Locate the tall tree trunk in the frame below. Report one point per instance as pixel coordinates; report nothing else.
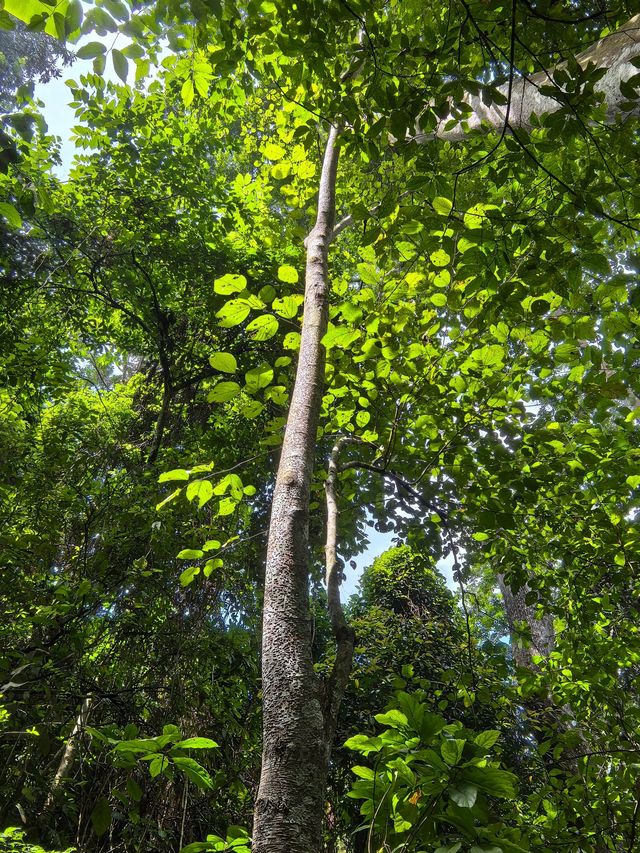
(68, 756)
(290, 804)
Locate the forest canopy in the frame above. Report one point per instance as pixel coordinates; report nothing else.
(319, 269)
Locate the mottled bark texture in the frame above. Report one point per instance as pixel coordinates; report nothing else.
(290, 804)
(615, 52)
(518, 611)
(542, 710)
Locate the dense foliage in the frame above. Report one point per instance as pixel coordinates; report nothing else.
(480, 402)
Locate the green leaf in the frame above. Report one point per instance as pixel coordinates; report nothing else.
(137, 745)
(394, 718)
(492, 780)
(175, 474)
(190, 554)
(187, 92)
(10, 214)
(230, 283)
(364, 744)
(134, 790)
(451, 750)
(158, 764)
(101, 816)
(287, 306)
(258, 377)
(227, 506)
(273, 151)
(288, 274)
(340, 336)
(223, 392)
(117, 8)
(280, 171)
(168, 499)
(91, 50)
(200, 489)
(188, 575)
(211, 565)
(487, 739)
(194, 772)
(363, 772)
(440, 258)
(120, 64)
(233, 312)
(464, 795)
(196, 743)
(263, 327)
(442, 205)
(224, 362)
(73, 17)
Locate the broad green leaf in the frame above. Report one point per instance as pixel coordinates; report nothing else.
(101, 816)
(230, 283)
(451, 750)
(175, 474)
(394, 718)
(187, 92)
(120, 64)
(258, 377)
(440, 258)
(287, 307)
(134, 790)
(91, 50)
(157, 765)
(464, 795)
(137, 745)
(196, 743)
(200, 489)
(211, 565)
(224, 362)
(190, 554)
(188, 575)
(234, 312)
(442, 205)
(10, 214)
(168, 499)
(194, 771)
(273, 151)
(223, 392)
(262, 328)
(288, 274)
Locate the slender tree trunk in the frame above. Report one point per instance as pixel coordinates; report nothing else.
(290, 804)
(68, 756)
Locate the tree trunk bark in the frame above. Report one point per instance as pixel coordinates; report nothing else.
(290, 804)
(68, 756)
(542, 634)
(614, 52)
